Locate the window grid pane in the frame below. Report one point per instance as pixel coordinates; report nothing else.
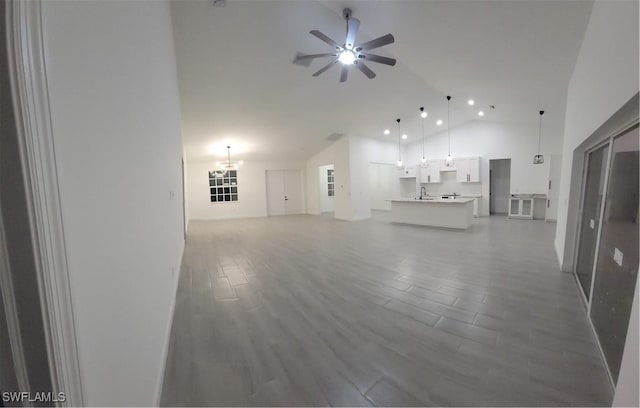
(223, 186)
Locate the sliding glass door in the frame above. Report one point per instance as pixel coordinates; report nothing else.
(617, 260)
(590, 220)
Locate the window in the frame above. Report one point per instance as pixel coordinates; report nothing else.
(330, 182)
(223, 186)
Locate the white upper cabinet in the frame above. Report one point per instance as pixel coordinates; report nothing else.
(430, 171)
(468, 169)
(408, 172)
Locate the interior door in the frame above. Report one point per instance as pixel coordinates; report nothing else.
(590, 217)
(617, 262)
(293, 191)
(275, 193)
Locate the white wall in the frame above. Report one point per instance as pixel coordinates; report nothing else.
(252, 190)
(491, 140)
(363, 151)
(327, 203)
(383, 185)
(605, 77)
(116, 125)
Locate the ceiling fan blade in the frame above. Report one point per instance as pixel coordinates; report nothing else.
(311, 56)
(378, 58)
(375, 43)
(326, 67)
(365, 69)
(352, 29)
(343, 74)
(326, 39)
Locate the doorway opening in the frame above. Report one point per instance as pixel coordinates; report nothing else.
(499, 186)
(326, 189)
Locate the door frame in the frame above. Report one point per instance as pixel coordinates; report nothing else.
(603, 140)
(31, 106)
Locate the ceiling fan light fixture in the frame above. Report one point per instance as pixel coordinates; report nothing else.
(347, 57)
(349, 53)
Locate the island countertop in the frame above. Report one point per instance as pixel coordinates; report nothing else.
(433, 200)
(454, 213)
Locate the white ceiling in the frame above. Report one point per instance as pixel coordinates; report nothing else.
(239, 86)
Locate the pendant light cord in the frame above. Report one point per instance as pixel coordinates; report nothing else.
(449, 122)
(539, 133)
(399, 155)
(423, 138)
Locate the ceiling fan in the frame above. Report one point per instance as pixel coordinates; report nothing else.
(349, 53)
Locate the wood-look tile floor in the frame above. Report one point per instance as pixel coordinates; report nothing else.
(310, 311)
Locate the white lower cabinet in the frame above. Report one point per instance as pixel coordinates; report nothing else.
(521, 208)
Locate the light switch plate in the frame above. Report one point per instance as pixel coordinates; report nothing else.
(592, 223)
(617, 256)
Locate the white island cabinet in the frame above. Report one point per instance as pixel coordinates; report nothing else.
(445, 213)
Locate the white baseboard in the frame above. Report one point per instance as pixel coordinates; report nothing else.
(167, 336)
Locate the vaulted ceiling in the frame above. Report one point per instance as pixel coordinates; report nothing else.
(238, 84)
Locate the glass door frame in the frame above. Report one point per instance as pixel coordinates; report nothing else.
(606, 141)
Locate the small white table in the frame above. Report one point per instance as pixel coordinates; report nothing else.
(445, 213)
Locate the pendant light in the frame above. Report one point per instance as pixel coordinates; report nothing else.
(538, 158)
(423, 115)
(449, 161)
(399, 153)
(229, 165)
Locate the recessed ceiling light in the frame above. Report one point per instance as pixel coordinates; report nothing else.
(481, 113)
(471, 102)
(423, 114)
(404, 137)
(439, 122)
(386, 132)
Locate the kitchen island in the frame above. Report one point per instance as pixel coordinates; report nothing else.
(433, 212)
